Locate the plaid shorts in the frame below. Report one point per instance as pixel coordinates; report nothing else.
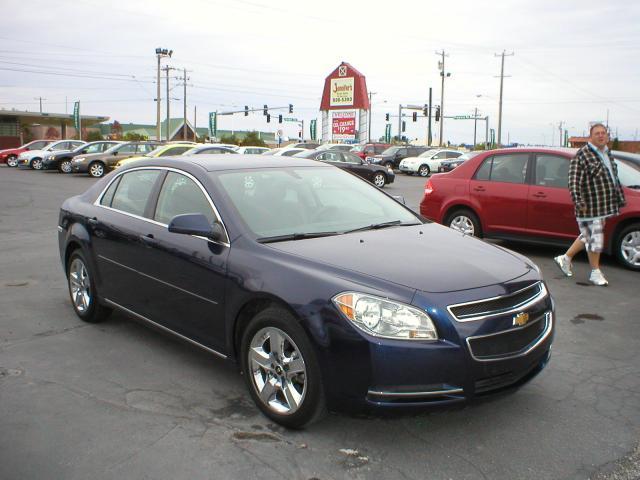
(592, 234)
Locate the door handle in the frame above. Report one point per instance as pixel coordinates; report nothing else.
(92, 221)
(148, 239)
(478, 189)
(540, 195)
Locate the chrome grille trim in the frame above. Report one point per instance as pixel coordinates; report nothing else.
(541, 294)
(547, 317)
(432, 393)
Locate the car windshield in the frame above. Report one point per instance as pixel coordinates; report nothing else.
(114, 148)
(628, 173)
(464, 157)
(428, 154)
(391, 150)
(301, 202)
(155, 151)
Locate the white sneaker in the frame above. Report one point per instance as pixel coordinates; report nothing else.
(565, 264)
(597, 278)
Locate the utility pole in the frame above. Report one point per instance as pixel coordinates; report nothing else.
(167, 69)
(429, 137)
(195, 121)
(40, 98)
(486, 132)
(561, 142)
(503, 54)
(442, 74)
(184, 127)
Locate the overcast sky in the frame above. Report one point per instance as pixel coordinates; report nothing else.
(573, 61)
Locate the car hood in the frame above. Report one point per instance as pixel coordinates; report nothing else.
(428, 257)
(33, 153)
(93, 156)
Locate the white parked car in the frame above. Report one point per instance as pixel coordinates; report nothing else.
(428, 162)
(285, 152)
(33, 158)
(253, 150)
(343, 147)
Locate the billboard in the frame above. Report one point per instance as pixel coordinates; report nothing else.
(343, 125)
(342, 92)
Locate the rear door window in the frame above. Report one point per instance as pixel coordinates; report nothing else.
(134, 190)
(511, 168)
(552, 171)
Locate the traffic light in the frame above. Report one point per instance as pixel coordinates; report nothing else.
(386, 117)
(280, 118)
(426, 110)
(437, 114)
(268, 118)
(404, 125)
(415, 116)
(290, 108)
(246, 111)
(265, 110)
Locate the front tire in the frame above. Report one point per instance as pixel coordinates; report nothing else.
(12, 161)
(96, 169)
(424, 170)
(379, 179)
(65, 166)
(82, 290)
(464, 221)
(628, 247)
(281, 370)
(36, 164)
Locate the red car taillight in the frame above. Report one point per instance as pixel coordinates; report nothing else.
(428, 188)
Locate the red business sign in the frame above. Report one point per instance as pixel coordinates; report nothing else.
(344, 125)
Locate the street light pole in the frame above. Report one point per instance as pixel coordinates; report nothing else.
(475, 126)
(442, 74)
(370, 104)
(160, 52)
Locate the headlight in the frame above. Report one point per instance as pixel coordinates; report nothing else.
(49, 157)
(385, 318)
(78, 160)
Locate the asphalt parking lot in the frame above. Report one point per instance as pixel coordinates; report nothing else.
(118, 400)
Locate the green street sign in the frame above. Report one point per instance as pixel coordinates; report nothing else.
(290, 119)
(313, 129)
(462, 117)
(387, 133)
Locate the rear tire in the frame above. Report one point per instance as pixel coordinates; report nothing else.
(12, 161)
(465, 221)
(281, 369)
(424, 170)
(82, 290)
(627, 247)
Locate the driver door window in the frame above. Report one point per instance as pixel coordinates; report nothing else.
(181, 195)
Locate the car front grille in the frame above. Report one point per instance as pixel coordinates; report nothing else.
(465, 312)
(512, 342)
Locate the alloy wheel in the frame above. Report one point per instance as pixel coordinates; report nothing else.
(65, 167)
(630, 248)
(36, 164)
(424, 170)
(12, 161)
(379, 180)
(96, 170)
(462, 223)
(278, 371)
(79, 286)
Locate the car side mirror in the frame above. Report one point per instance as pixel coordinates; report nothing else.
(115, 153)
(196, 224)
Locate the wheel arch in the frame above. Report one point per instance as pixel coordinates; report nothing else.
(249, 309)
(613, 240)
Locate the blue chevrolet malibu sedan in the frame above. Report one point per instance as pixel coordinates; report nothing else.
(327, 292)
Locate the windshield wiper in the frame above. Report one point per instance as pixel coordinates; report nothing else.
(295, 236)
(377, 226)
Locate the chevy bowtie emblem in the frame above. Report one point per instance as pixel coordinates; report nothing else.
(520, 319)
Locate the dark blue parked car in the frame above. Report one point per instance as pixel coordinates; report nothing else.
(283, 265)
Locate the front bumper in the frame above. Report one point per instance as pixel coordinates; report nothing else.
(408, 168)
(471, 359)
(79, 167)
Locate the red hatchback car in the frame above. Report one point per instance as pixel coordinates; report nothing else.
(522, 194)
(10, 155)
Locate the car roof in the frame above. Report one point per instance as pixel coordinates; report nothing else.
(221, 162)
